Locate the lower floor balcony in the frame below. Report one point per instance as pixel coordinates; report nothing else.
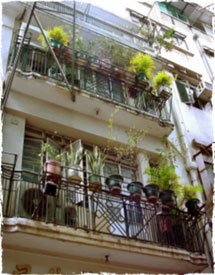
(79, 206)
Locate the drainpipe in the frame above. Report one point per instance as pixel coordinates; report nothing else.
(179, 122)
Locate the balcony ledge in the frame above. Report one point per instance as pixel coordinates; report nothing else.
(74, 241)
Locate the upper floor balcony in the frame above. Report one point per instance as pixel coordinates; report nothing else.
(95, 82)
(41, 204)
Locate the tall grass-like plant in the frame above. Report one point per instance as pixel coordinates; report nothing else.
(95, 160)
(142, 64)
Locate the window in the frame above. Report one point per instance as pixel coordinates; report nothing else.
(185, 92)
(102, 85)
(128, 173)
(117, 90)
(171, 10)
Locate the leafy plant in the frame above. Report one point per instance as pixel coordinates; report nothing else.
(165, 177)
(166, 39)
(56, 34)
(51, 150)
(190, 191)
(113, 51)
(162, 79)
(142, 63)
(95, 160)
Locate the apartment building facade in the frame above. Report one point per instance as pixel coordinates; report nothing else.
(67, 227)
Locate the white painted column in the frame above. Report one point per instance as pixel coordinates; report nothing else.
(143, 162)
(13, 133)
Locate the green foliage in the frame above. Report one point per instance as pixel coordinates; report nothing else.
(162, 79)
(74, 157)
(164, 40)
(95, 160)
(142, 63)
(51, 150)
(190, 191)
(165, 177)
(116, 53)
(57, 34)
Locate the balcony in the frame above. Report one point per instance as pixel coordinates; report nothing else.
(95, 78)
(77, 206)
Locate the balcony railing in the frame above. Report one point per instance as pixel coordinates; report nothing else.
(76, 206)
(95, 76)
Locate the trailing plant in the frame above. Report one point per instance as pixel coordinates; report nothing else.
(129, 149)
(95, 160)
(142, 64)
(161, 40)
(162, 78)
(166, 39)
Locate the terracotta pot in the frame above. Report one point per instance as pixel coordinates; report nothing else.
(52, 169)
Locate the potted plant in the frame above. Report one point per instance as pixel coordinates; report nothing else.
(151, 190)
(135, 188)
(73, 159)
(161, 83)
(57, 36)
(189, 196)
(52, 166)
(96, 161)
(142, 65)
(114, 183)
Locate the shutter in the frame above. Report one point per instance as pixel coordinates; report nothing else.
(163, 7)
(117, 90)
(102, 85)
(31, 159)
(185, 93)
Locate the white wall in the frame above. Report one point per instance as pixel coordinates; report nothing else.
(13, 137)
(6, 36)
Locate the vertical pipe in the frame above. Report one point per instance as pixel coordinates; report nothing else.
(73, 51)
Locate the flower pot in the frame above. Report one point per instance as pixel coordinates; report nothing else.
(164, 92)
(192, 207)
(73, 175)
(167, 197)
(151, 192)
(55, 43)
(114, 183)
(50, 188)
(132, 92)
(95, 183)
(52, 169)
(135, 189)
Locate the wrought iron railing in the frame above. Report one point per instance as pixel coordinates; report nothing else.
(74, 205)
(95, 76)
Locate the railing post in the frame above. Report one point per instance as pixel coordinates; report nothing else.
(126, 219)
